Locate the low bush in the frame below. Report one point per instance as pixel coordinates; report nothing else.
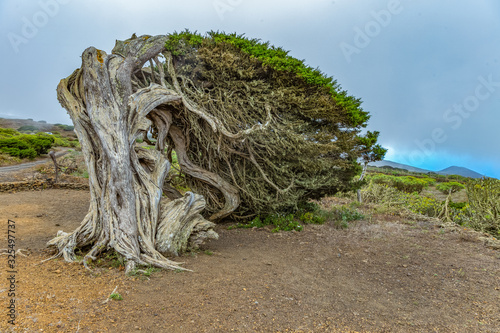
(17, 148)
(450, 187)
(28, 128)
(8, 133)
(279, 221)
(408, 184)
(65, 127)
(484, 205)
(307, 213)
(25, 145)
(387, 195)
(41, 142)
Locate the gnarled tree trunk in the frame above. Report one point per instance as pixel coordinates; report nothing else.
(127, 209)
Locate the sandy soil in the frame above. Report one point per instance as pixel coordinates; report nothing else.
(382, 274)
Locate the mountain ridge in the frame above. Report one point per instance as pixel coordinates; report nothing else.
(451, 170)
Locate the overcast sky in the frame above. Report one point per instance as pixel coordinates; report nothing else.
(427, 71)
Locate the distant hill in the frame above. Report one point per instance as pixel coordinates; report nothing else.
(456, 170)
(36, 126)
(16, 123)
(453, 170)
(397, 165)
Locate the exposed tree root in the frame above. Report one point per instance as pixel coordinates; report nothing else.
(127, 212)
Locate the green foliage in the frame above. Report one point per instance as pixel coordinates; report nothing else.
(484, 205)
(115, 259)
(371, 151)
(450, 187)
(308, 213)
(8, 133)
(481, 213)
(80, 173)
(408, 184)
(387, 195)
(312, 218)
(457, 205)
(28, 128)
(180, 43)
(278, 59)
(31, 145)
(421, 204)
(41, 142)
(449, 178)
(348, 214)
(147, 271)
(26, 146)
(280, 223)
(116, 297)
(309, 148)
(67, 128)
(65, 142)
(17, 148)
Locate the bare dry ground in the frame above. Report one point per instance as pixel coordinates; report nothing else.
(382, 274)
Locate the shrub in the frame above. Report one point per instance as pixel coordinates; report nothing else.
(450, 187)
(7, 133)
(28, 128)
(484, 205)
(307, 213)
(17, 148)
(408, 184)
(344, 215)
(65, 142)
(280, 221)
(65, 127)
(384, 194)
(25, 145)
(41, 143)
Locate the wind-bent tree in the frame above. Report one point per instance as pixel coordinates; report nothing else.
(370, 152)
(254, 130)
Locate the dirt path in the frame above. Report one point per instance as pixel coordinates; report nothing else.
(14, 168)
(383, 274)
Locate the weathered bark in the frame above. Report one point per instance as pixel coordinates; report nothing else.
(127, 210)
(358, 192)
(52, 155)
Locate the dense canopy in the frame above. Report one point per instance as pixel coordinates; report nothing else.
(291, 132)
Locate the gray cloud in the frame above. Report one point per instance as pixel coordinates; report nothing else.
(409, 69)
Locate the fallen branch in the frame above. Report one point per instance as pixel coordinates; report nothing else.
(109, 297)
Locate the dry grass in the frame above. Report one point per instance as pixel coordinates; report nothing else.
(6, 160)
(432, 192)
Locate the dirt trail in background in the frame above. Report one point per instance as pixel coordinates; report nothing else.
(383, 274)
(22, 166)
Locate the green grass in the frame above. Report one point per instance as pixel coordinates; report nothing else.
(116, 297)
(309, 213)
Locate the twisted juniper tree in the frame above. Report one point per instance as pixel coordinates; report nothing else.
(254, 131)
